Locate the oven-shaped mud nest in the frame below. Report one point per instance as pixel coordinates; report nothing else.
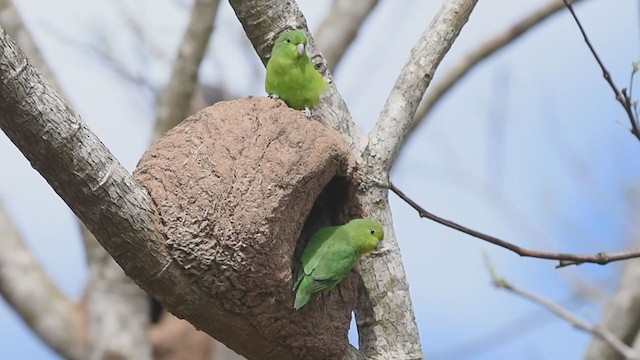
(239, 188)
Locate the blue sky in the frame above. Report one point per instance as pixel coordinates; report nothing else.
(531, 147)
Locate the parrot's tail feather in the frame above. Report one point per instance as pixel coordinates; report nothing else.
(301, 300)
(302, 296)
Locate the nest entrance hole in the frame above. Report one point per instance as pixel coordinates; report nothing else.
(333, 206)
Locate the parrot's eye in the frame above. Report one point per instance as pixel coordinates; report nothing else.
(288, 40)
(373, 232)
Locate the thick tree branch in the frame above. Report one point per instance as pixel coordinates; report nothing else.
(437, 91)
(85, 174)
(598, 331)
(117, 308)
(175, 100)
(36, 299)
(392, 128)
(23, 282)
(263, 21)
(340, 27)
(621, 95)
(565, 259)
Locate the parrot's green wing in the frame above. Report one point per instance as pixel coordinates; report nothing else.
(331, 254)
(330, 262)
(309, 259)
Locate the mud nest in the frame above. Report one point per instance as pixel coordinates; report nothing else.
(239, 188)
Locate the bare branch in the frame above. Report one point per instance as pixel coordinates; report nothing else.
(565, 259)
(598, 331)
(36, 299)
(175, 101)
(477, 56)
(340, 27)
(621, 95)
(392, 128)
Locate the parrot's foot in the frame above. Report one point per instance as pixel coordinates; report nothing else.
(274, 96)
(307, 112)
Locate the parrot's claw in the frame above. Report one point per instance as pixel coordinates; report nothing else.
(274, 96)
(307, 112)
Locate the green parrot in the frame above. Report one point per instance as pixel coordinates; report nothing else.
(291, 75)
(331, 254)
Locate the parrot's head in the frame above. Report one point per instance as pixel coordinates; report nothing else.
(292, 42)
(369, 234)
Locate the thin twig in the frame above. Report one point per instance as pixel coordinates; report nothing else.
(565, 259)
(621, 95)
(595, 330)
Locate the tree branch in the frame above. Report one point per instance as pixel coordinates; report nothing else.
(85, 174)
(477, 56)
(565, 259)
(23, 282)
(601, 332)
(36, 299)
(117, 308)
(340, 27)
(621, 95)
(386, 323)
(392, 128)
(175, 100)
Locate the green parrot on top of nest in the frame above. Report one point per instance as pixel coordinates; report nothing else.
(291, 75)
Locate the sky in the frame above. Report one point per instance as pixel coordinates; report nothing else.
(531, 147)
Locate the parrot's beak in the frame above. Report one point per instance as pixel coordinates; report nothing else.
(300, 49)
